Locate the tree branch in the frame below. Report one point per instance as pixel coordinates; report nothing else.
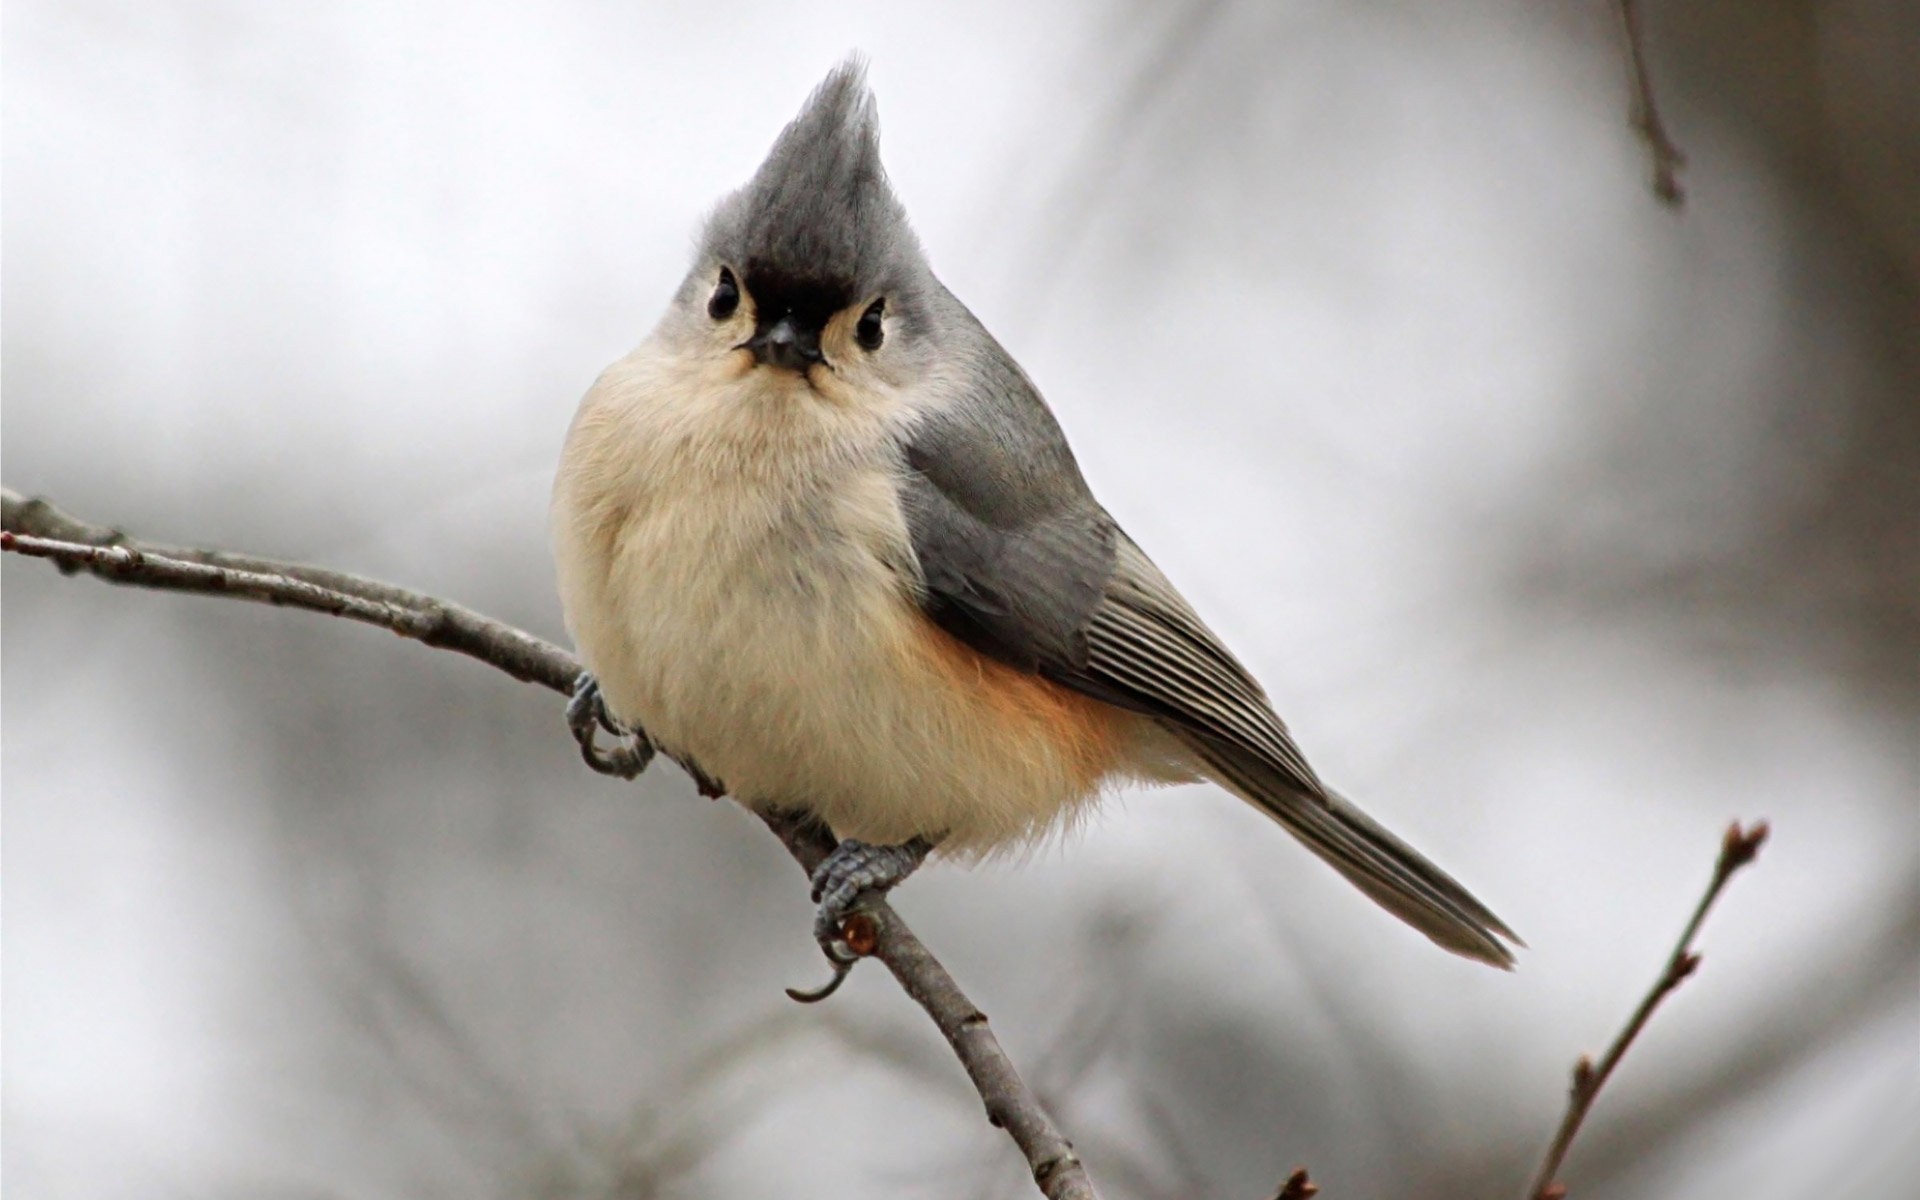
(1645, 113)
(35, 528)
(1737, 849)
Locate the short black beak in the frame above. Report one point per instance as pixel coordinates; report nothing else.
(787, 344)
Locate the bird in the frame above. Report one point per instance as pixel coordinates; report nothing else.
(820, 539)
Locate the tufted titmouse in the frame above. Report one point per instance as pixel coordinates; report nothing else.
(820, 538)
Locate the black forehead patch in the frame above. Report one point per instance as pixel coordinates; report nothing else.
(779, 293)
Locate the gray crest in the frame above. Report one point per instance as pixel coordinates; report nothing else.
(819, 211)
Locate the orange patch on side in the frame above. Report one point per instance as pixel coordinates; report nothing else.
(1024, 708)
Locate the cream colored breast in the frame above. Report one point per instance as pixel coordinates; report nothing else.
(736, 570)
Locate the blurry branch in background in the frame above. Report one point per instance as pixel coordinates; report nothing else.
(1645, 113)
(1737, 849)
(1298, 1187)
(35, 528)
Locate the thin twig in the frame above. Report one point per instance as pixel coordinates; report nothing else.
(1644, 113)
(1737, 849)
(35, 528)
(438, 623)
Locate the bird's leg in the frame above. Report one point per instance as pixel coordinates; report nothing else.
(587, 713)
(854, 872)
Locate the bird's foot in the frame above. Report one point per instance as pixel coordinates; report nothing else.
(587, 714)
(855, 871)
(708, 786)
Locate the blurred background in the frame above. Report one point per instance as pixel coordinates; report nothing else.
(1563, 528)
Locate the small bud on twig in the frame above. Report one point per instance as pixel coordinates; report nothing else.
(1740, 847)
(861, 933)
(1737, 848)
(1583, 1076)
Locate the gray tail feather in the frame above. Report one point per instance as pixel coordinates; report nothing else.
(1398, 878)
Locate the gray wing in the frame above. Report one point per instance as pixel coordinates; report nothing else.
(1018, 560)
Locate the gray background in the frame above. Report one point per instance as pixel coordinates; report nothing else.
(1562, 528)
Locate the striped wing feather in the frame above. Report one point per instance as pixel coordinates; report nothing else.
(1016, 559)
(1145, 641)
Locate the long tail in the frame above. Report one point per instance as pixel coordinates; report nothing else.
(1398, 878)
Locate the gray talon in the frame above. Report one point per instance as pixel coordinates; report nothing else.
(587, 713)
(842, 967)
(854, 870)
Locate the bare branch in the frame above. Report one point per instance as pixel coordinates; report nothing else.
(35, 528)
(1737, 849)
(437, 623)
(1645, 113)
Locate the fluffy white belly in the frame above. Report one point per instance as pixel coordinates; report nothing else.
(751, 607)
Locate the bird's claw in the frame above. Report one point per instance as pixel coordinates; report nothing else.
(708, 786)
(587, 714)
(855, 871)
(842, 961)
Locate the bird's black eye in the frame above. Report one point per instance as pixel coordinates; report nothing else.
(725, 298)
(869, 332)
